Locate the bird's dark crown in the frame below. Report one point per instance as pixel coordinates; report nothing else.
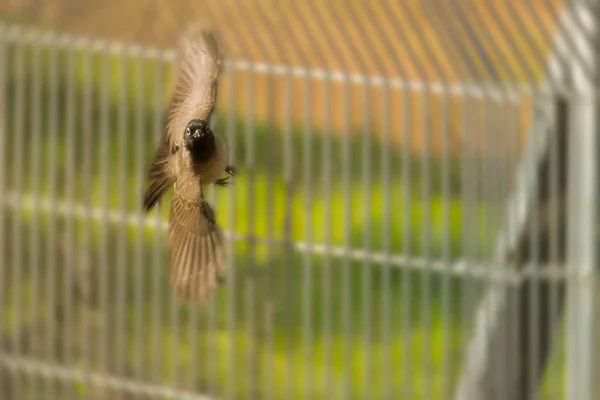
(199, 140)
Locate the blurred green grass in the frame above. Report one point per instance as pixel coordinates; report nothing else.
(426, 310)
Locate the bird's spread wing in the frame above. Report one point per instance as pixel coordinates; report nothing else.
(161, 177)
(197, 249)
(196, 81)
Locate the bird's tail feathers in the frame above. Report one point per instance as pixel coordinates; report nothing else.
(198, 257)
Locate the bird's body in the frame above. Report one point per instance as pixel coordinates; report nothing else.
(189, 157)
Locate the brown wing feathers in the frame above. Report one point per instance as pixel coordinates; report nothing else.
(197, 256)
(196, 84)
(160, 176)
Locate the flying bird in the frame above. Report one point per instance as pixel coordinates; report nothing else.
(190, 156)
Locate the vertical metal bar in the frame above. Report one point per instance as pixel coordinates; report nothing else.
(104, 177)
(174, 330)
(209, 374)
(503, 142)
(327, 281)
(157, 264)
(269, 389)
(386, 295)
(554, 242)
(583, 210)
(516, 322)
(3, 168)
(17, 250)
(232, 285)
(210, 342)
(534, 297)
(489, 180)
(347, 275)
(426, 277)
(582, 249)
(34, 243)
(446, 256)
(475, 208)
(250, 289)
(289, 188)
(69, 247)
(86, 186)
(502, 145)
(307, 278)
(467, 211)
(140, 176)
(406, 272)
(212, 306)
(503, 193)
(482, 231)
(51, 281)
(366, 272)
(122, 257)
(511, 221)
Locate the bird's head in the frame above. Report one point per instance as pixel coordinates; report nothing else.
(196, 130)
(199, 139)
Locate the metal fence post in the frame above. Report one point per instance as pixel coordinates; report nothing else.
(582, 228)
(568, 120)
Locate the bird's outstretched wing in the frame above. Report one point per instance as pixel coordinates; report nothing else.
(161, 177)
(194, 97)
(197, 74)
(197, 249)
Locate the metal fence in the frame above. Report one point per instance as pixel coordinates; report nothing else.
(415, 215)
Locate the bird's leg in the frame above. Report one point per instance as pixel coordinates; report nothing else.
(231, 171)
